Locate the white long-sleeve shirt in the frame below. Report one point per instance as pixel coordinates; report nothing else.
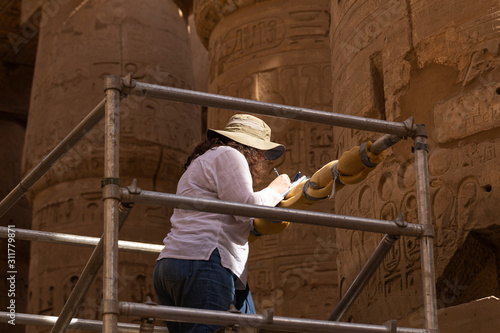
(221, 173)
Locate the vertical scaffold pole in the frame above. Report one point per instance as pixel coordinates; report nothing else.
(111, 197)
(427, 240)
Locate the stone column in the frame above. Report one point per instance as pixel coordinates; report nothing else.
(438, 62)
(15, 259)
(18, 217)
(80, 42)
(15, 84)
(277, 51)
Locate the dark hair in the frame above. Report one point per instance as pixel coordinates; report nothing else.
(254, 157)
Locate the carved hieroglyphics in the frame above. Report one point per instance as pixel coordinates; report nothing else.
(277, 51)
(80, 43)
(438, 61)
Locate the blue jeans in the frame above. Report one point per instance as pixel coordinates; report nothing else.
(198, 284)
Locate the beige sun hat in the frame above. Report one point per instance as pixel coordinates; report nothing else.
(250, 131)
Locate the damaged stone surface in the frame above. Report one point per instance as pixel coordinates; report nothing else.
(440, 64)
(437, 61)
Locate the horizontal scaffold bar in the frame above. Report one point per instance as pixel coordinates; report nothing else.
(273, 213)
(69, 239)
(268, 321)
(77, 324)
(270, 109)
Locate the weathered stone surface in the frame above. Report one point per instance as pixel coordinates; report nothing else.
(209, 13)
(440, 64)
(81, 44)
(435, 60)
(477, 316)
(277, 51)
(472, 112)
(200, 58)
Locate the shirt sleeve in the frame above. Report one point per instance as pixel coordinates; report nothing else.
(234, 181)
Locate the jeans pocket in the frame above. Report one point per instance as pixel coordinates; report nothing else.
(169, 269)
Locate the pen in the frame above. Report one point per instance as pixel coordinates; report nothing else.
(296, 177)
(276, 171)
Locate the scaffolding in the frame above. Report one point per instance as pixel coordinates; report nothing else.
(119, 201)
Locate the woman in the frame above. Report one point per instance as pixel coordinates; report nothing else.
(203, 263)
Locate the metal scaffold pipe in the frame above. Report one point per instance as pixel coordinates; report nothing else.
(70, 239)
(427, 240)
(384, 143)
(85, 280)
(133, 87)
(41, 168)
(396, 227)
(171, 313)
(118, 202)
(75, 324)
(111, 203)
(363, 277)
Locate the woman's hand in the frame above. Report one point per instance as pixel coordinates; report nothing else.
(280, 184)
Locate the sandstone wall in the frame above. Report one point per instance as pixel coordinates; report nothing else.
(277, 51)
(80, 44)
(437, 61)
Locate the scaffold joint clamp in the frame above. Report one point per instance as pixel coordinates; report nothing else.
(113, 82)
(128, 81)
(110, 306)
(132, 188)
(108, 181)
(269, 315)
(419, 146)
(400, 221)
(427, 230)
(392, 325)
(111, 192)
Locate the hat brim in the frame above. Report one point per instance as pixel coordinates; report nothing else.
(273, 150)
